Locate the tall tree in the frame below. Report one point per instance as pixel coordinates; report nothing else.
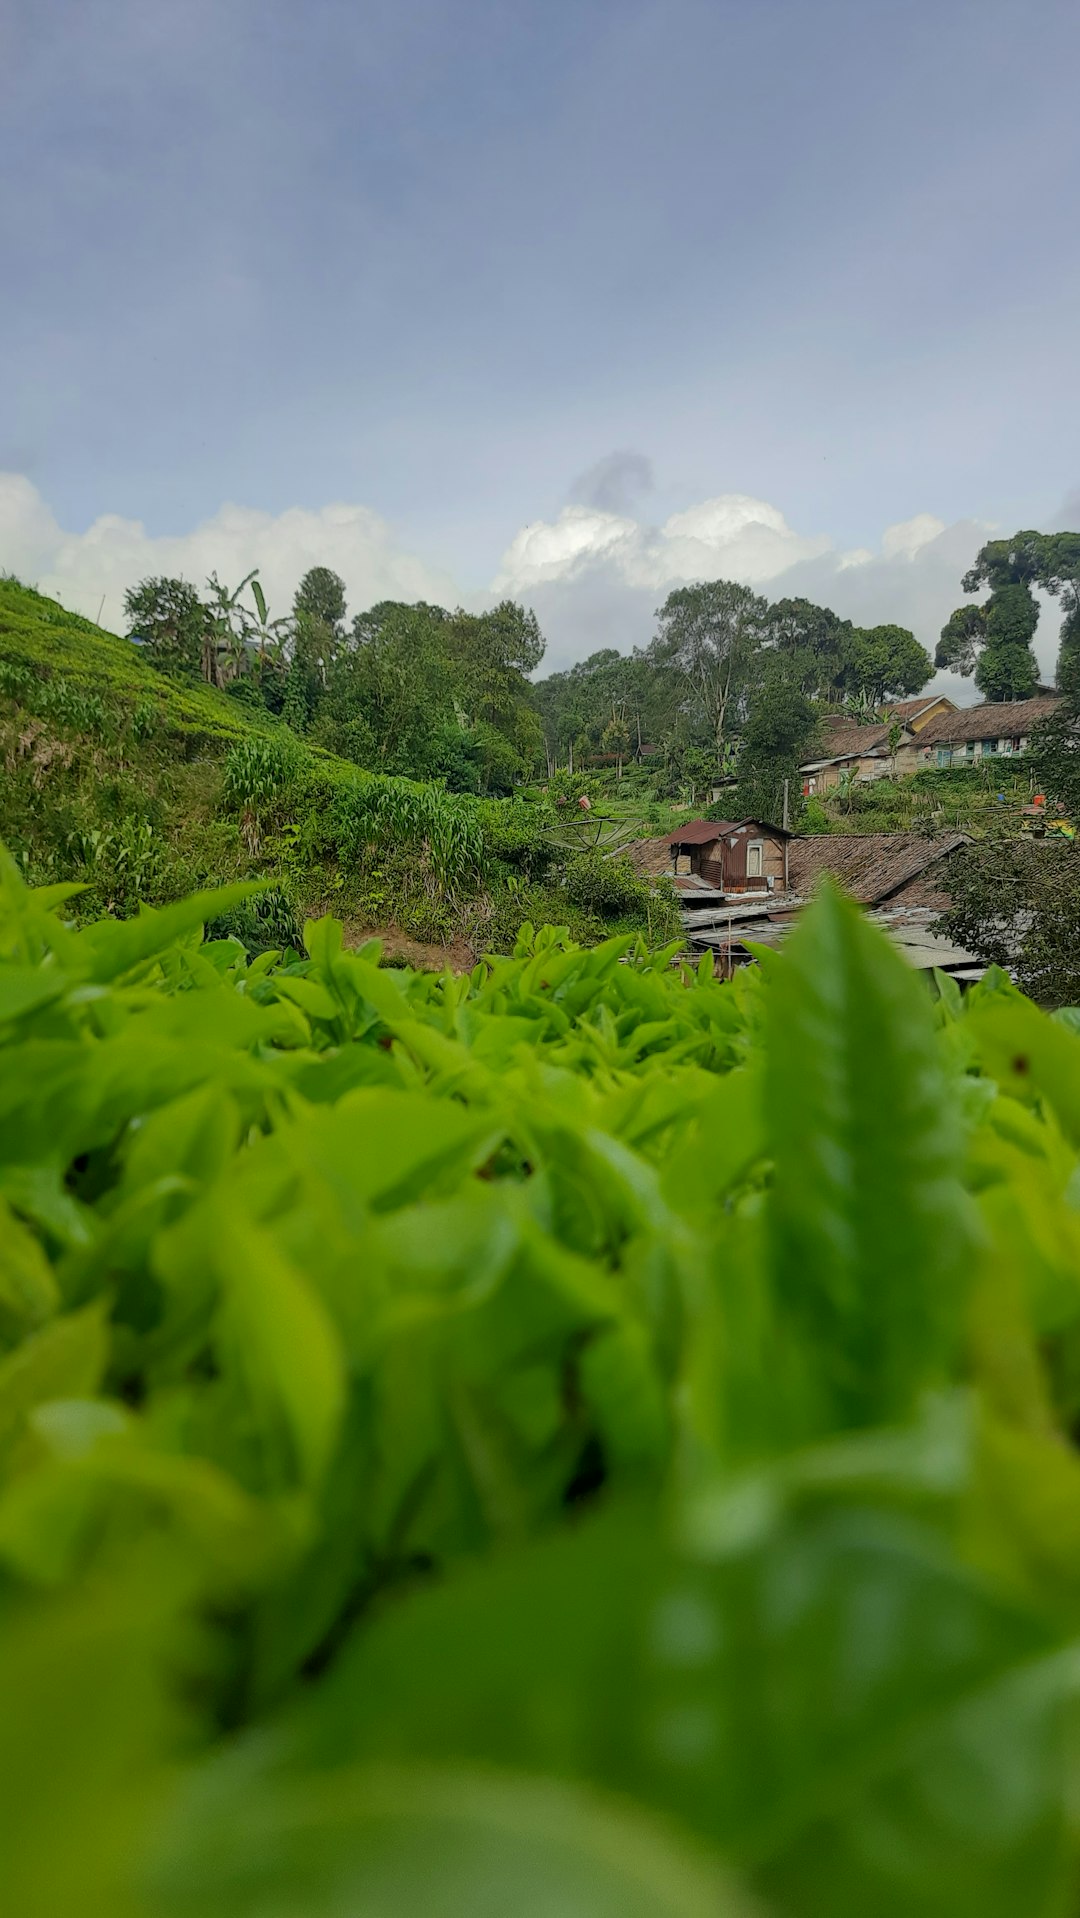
(495, 651)
(816, 642)
(168, 615)
(887, 662)
(994, 640)
(779, 735)
(1060, 576)
(321, 596)
(712, 635)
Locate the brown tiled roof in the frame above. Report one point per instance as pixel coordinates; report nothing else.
(649, 856)
(1009, 719)
(841, 734)
(911, 708)
(870, 866)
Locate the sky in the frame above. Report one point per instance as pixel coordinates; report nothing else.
(573, 300)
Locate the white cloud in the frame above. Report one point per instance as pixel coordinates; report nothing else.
(733, 535)
(909, 535)
(92, 569)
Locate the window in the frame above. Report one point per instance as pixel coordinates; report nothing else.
(969, 749)
(755, 852)
(944, 755)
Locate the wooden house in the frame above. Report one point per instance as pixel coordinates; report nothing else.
(733, 855)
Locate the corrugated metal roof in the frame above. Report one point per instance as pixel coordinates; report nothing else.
(697, 832)
(649, 856)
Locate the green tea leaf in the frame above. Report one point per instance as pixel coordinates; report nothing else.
(867, 1221)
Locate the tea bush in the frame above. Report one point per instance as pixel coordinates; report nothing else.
(576, 1437)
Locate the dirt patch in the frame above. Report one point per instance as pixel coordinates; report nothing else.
(398, 946)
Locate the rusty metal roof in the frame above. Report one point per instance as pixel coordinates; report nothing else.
(698, 832)
(702, 832)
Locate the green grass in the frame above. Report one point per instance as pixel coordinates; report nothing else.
(47, 641)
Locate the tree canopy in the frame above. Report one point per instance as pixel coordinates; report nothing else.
(711, 634)
(994, 640)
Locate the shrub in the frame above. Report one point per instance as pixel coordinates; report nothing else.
(564, 790)
(577, 1437)
(605, 885)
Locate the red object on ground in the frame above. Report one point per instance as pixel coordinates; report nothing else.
(583, 802)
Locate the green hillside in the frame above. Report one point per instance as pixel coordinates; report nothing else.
(141, 787)
(83, 672)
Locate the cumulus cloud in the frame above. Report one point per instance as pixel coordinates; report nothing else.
(93, 569)
(732, 534)
(595, 578)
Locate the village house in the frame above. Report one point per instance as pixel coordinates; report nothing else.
(733, 855)
(898, 878)
(961, 738)
(863, 750)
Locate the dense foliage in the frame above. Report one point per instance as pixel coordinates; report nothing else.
(1016, 903)
(993, 640)
(409, 689)
(719, 653)
(573, 1438)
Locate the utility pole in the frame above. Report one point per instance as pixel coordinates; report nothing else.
(786, 818)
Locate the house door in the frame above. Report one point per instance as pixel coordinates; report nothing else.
(754, 853)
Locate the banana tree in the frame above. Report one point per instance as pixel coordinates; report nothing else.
(271, 633)
(227, 630)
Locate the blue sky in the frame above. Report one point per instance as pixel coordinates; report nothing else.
(437, 262)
